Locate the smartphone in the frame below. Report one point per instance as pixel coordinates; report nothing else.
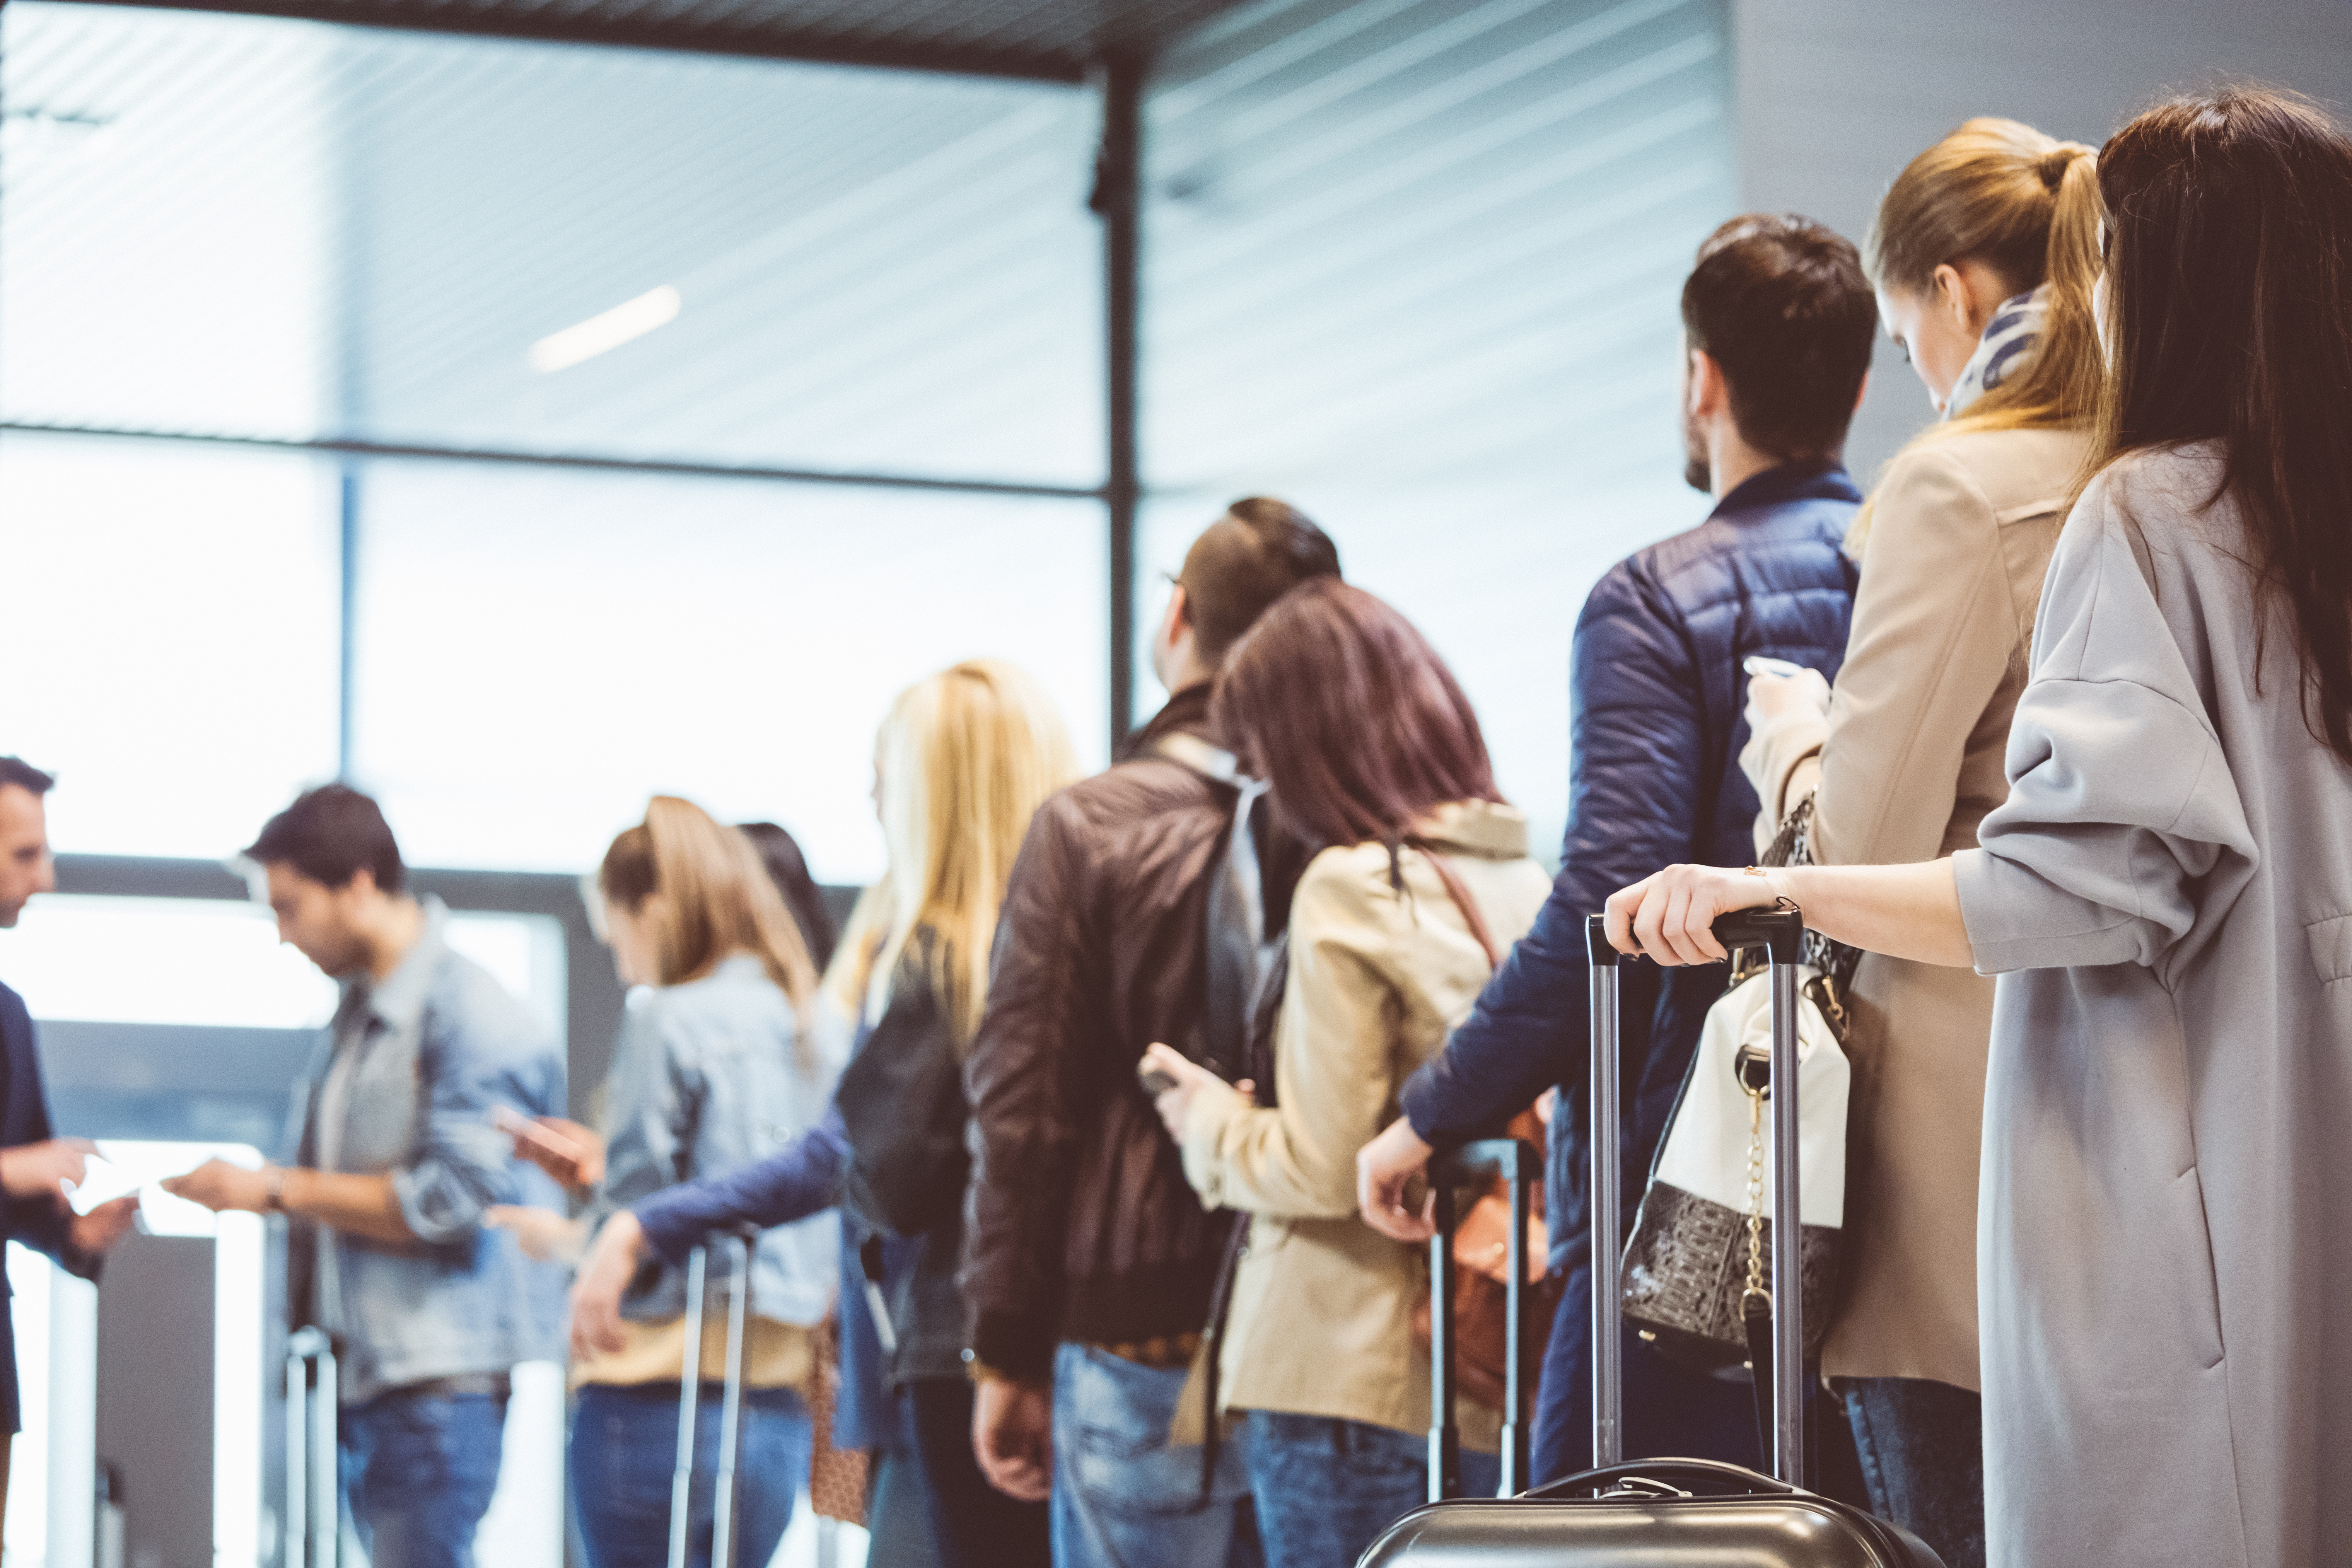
(1155, 1081)
(1758, 664)
(523, 1129)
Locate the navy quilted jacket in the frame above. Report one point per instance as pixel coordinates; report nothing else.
(1655, 730)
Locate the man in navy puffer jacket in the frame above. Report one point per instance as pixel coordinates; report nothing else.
(1777, 321)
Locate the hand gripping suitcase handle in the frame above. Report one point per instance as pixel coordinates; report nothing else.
(1781, 932)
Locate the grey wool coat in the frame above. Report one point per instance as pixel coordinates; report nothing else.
(2165, 1224)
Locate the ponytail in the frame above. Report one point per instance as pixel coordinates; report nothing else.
(2028, 206)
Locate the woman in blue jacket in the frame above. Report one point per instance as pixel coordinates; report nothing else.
(964, 759)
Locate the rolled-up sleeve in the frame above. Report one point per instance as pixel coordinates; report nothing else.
(471, 1059)
(2121, 808)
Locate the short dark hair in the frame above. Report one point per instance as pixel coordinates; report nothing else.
(1782, 303)
(25, 776)
(1342, 707)
(329, 835)
(1257, 552)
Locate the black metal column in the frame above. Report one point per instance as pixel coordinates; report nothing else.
(347, 694)
(1117, 199)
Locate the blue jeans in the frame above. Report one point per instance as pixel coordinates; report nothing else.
(1670, 1409)
(624, 1453)
(1123, 1498)
(1326, 1488)
(418, 1469)
(1922, 1450)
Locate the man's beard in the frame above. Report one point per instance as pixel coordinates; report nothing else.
(1697, 472)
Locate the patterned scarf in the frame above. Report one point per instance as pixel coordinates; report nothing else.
(2003, 351)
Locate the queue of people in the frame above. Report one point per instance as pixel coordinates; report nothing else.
(1083, 1161)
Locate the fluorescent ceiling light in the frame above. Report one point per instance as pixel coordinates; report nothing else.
(562, 350)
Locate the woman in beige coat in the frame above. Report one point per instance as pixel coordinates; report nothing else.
(1371, 752)
(1984, 256)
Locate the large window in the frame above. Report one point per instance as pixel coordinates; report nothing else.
(1414, 266)
(221, 226)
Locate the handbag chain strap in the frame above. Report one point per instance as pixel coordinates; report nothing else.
(1754, 1194)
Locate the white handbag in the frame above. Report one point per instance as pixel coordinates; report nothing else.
(1702, 1245)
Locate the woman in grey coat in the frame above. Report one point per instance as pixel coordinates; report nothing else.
(2165, 1265)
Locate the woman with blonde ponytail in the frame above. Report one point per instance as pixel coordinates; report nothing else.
(963, 760)
(1984, 256)
(720, 1064)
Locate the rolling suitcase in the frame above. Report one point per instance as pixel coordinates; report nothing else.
(1660, 1513)
(744, 1245)
(314, 1515)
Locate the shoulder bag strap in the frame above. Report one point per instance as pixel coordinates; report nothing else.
(1471, 914)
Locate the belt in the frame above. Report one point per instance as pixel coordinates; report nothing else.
(497, 1384)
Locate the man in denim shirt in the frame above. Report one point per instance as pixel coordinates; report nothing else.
(396, 1159)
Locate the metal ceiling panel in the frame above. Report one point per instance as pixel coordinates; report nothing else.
(1046, 41)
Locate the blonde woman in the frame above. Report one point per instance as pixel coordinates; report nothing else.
(717, 1066)
(964, 759)
(1984, 256)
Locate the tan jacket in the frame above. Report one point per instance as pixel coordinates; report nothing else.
(1909, 762)
(1321, 1322)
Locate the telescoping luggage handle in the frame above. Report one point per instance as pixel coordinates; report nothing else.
(742, 1244)
(313, 1507)
(1476, 1165)
(1782, 934)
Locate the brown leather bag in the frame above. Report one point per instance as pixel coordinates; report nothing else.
(1481, 1236)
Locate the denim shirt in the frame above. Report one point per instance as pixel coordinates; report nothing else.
(425, 1055)
(711, 1075)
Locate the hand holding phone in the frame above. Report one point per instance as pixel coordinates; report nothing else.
(1762, 664)
(570, 1153)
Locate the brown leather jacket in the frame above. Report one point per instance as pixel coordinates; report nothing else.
(1080, 1223)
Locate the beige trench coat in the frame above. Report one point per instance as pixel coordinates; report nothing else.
(1907, 761)
(1321, 1322)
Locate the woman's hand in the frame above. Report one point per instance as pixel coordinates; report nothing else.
(1769, 696)
(572, 1154)
(1670, 916)
(1191, 1080)
(544, 1235)
(596, 1293)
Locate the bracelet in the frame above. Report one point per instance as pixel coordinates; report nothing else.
(274, 1198)
(1779, 889)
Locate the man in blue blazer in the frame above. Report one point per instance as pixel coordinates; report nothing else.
(34, 1165)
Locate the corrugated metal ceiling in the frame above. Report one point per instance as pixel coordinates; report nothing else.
(1051, 41)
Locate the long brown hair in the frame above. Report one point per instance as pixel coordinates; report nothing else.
(1347, 713)
(2027, 206)
(2230, 318)
(716, 898)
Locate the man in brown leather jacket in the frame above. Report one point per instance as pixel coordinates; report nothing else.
(1089, 1261)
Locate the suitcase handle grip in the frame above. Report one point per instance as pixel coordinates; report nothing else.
(1781, 932)
(1469, 1164)
(1714, 1477)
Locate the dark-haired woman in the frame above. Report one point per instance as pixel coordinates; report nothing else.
(2166, 1259)
(1370, 752)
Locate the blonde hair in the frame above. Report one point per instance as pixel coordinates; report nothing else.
(2027, 206)
(966, 758)
(716, 897)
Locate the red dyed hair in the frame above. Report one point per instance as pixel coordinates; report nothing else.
(1347, 713)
